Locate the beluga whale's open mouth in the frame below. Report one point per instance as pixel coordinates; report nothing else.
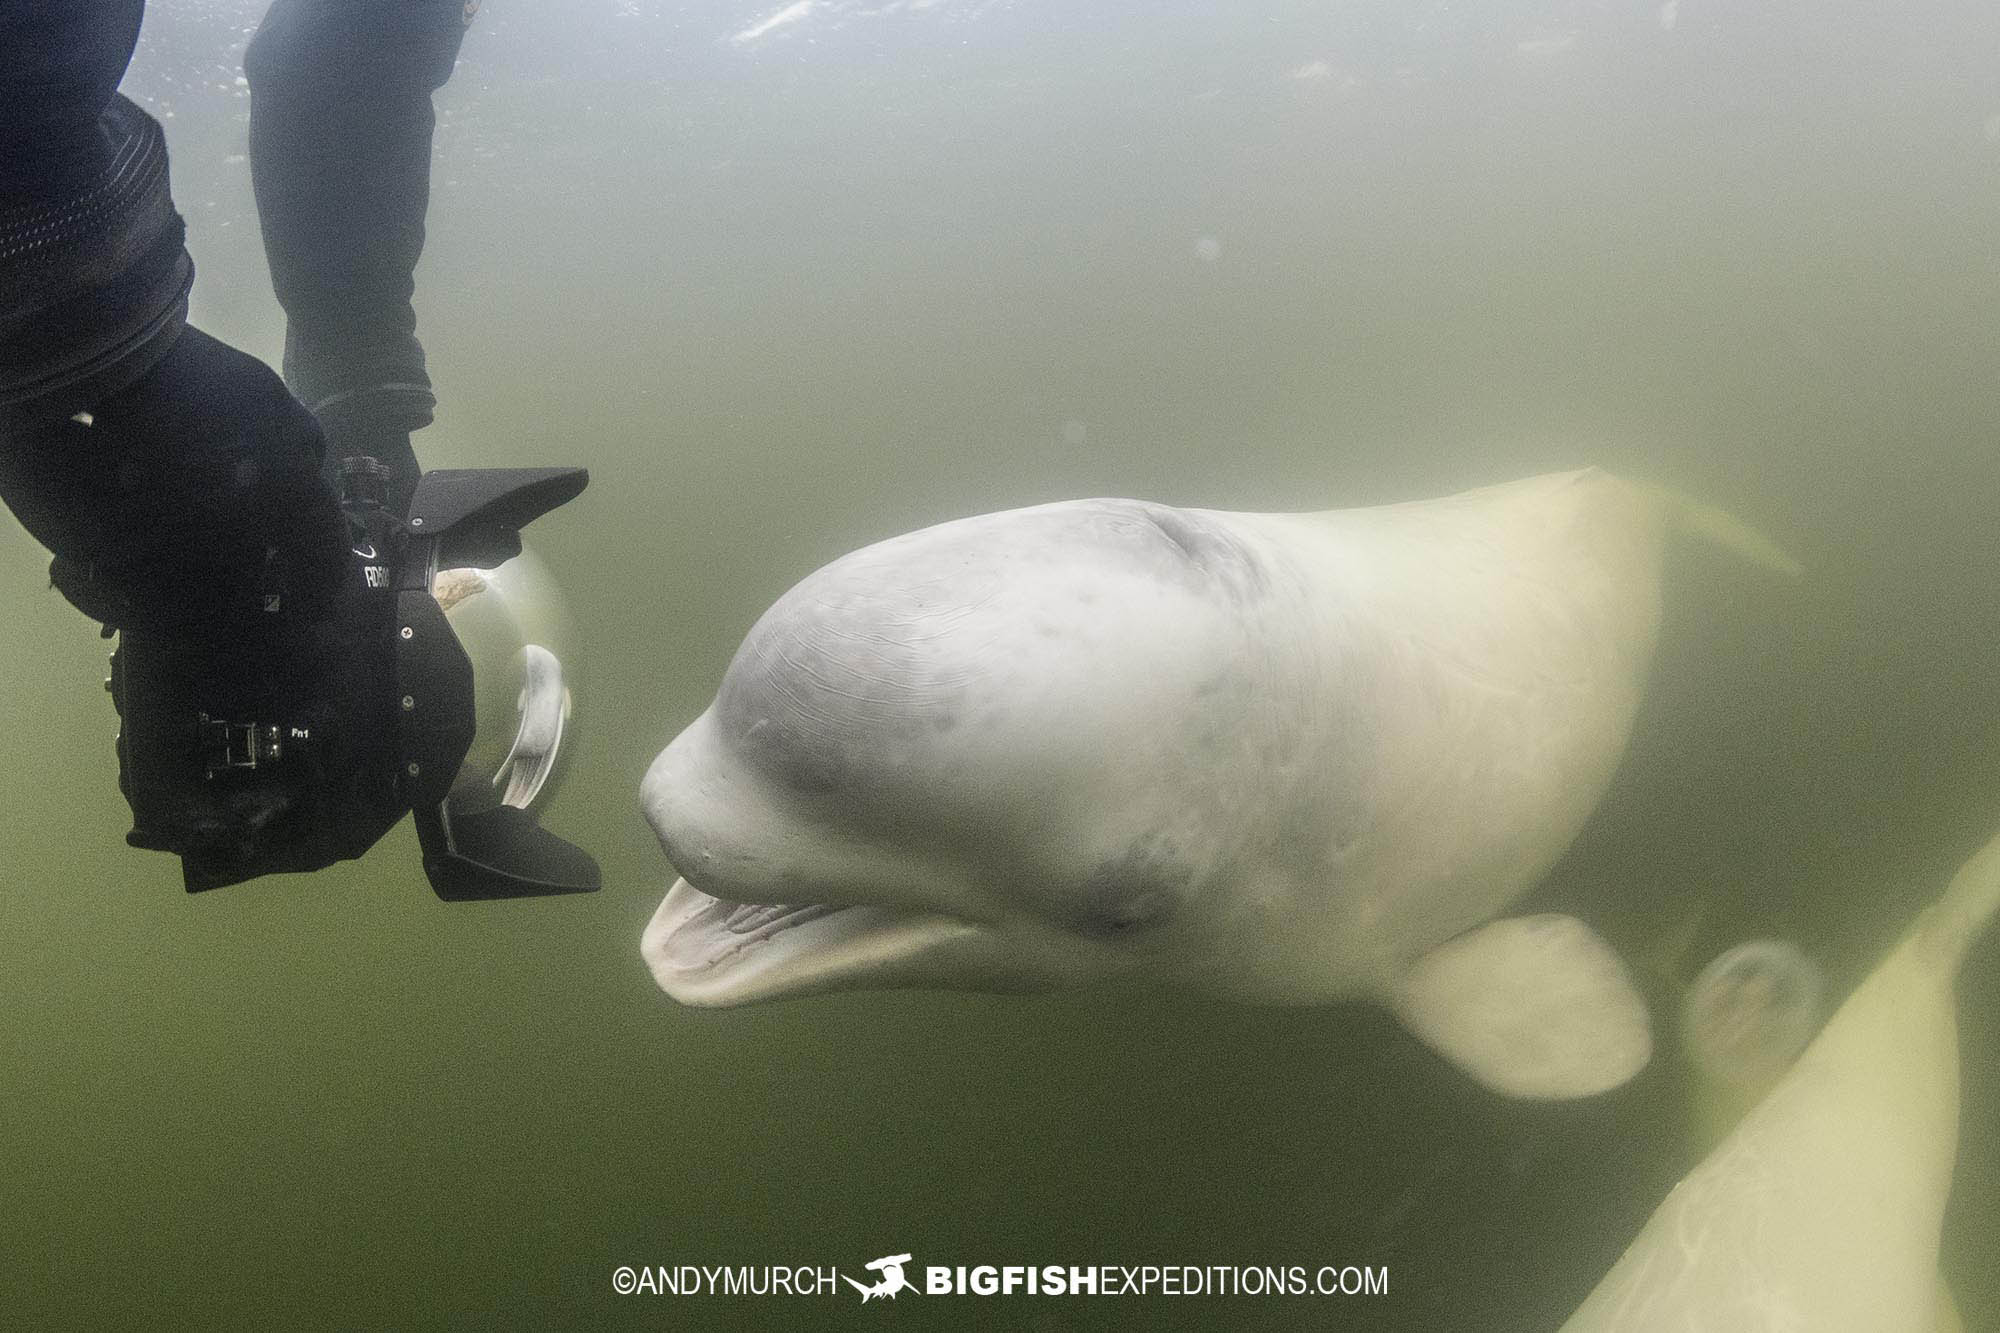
(715, 953)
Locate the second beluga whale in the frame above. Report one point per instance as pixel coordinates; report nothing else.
(1287, 758)
(1823, 1208)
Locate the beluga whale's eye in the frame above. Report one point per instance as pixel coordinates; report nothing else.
(1131, 894)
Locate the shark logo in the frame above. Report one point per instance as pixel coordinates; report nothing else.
(890, 1266)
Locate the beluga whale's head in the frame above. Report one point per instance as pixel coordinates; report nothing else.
(1287, 758)
(1012, 753)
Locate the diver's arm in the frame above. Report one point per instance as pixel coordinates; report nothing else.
(173, 478)
(340, 155)
(93, 275)
(60, 67)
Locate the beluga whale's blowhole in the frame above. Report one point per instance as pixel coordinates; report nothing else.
(1285, 758)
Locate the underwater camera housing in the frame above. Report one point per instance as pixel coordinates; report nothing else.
(287, 747)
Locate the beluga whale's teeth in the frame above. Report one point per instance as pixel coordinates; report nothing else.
(749, 917)
(1289, 758)
(710, 953)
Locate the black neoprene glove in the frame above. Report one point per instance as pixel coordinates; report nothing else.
(190, 502)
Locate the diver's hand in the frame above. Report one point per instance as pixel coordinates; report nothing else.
(191, 502)
(377, 425)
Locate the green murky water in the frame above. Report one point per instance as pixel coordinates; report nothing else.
(879, 265)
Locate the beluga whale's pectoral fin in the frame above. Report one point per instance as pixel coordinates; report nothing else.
(1533, 1006)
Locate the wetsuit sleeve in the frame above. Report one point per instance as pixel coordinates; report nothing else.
(340, 152)
(59, 65)
(93, 273)
(175, 480)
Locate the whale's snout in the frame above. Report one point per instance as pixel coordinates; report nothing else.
(770, 904)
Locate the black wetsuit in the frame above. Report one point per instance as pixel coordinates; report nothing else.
(149, 458)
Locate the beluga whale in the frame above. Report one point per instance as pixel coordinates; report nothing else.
(1286, 758)
(1823, 1208)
